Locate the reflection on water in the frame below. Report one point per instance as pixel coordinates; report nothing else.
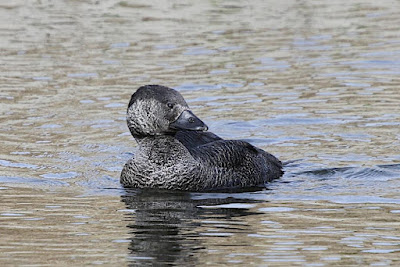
(161, 227)
(313, 82)
(165, 226)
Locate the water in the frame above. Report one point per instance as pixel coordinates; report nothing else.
(313, 82)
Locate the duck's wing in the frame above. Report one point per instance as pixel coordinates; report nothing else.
(194, 139)
(241, 159)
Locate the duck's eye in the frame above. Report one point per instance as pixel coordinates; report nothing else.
(170, 105)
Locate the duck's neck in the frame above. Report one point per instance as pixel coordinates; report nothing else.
(148, 139)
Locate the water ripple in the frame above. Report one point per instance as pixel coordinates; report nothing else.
(381, 172)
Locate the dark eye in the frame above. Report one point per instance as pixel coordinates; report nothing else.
(170, 105)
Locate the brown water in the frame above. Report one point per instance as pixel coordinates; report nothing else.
(313, 82)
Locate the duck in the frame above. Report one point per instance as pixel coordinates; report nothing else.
(177, 152)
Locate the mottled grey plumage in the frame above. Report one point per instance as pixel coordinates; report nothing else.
(175, 152)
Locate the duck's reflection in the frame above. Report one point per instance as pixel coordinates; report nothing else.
(165, 227)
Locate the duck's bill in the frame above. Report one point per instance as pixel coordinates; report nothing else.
(188, 121)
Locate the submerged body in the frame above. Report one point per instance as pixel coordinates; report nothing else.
(175, 151)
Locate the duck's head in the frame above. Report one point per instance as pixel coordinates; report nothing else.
(157, 110)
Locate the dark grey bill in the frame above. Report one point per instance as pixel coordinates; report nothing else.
(188, 121)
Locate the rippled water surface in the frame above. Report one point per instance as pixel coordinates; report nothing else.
(315, 83)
